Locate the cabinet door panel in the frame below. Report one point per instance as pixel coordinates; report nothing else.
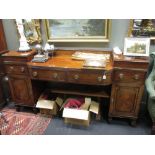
(21, 90)
(125, 100)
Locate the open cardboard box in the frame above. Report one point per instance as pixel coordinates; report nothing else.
(81, 116)
(49, 107)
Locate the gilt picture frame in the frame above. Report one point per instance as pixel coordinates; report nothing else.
(136, 46)
(78, 30)
(142, 28)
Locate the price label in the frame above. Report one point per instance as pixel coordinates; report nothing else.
(104, 77)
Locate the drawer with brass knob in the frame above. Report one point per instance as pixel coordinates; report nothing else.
(76, 76)
(16, 69)
(89, 77)
(34, 74)
(129, 75)
(55, 75)
(50, 75)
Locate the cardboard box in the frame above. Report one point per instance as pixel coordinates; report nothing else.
(49, 107)
(81, 116)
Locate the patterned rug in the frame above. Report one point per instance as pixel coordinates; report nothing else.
(23, 123)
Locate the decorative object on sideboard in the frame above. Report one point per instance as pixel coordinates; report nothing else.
(49, 50)
(93, 63)
(40, 56)
(46, 50)
(117, 50)
(136, 46)
(24, 46)
(32, 30)
(38, 47)
(92, 60)
(81, 55)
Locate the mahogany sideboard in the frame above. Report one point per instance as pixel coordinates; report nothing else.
(3, 47)
(123, 85)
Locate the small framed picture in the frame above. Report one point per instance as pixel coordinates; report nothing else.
(137, 46)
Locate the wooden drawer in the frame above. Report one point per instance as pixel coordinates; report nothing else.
(89, 78)
(129, 76)
(50, 75)
(16, 69)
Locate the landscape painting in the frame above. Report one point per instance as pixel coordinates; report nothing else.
(137, 46)
(77, 29)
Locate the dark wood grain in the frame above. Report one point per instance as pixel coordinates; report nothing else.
(129, 74)
(15, 65)
(125, 75)
(3, 47)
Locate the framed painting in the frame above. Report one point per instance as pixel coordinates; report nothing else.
(136, 46)
(78, 30)
(142, 28)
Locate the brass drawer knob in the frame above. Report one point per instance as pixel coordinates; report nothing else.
(121, 75)
(136, 76)
(11, 68)
(99, 78)
(76, 77)
(55, 75)
(22, 69)
(34, 74)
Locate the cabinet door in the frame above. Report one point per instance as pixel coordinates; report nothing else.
(125, 100)
(21, 90)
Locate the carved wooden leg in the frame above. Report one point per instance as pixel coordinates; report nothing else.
(153, 129)
(17, 108)
(35, 110)
(109, 120)
(133, 122)
(98, 116)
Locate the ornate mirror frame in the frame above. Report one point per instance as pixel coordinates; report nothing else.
(32, 30)
(63, 30)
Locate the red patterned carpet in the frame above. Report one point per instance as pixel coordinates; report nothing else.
(22, 123)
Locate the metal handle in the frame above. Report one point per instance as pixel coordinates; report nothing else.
(136, 76)
(55, 75)
(121, 75)
(76, 77)
(34, 74)
(99, 78)
(22, 69)
(11, 67)
(112, 100)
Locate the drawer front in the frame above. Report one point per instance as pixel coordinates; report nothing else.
(129, 76)
(16, 69)
(50, 75)
(90, 78)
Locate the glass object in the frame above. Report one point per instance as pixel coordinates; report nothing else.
(39, 48)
